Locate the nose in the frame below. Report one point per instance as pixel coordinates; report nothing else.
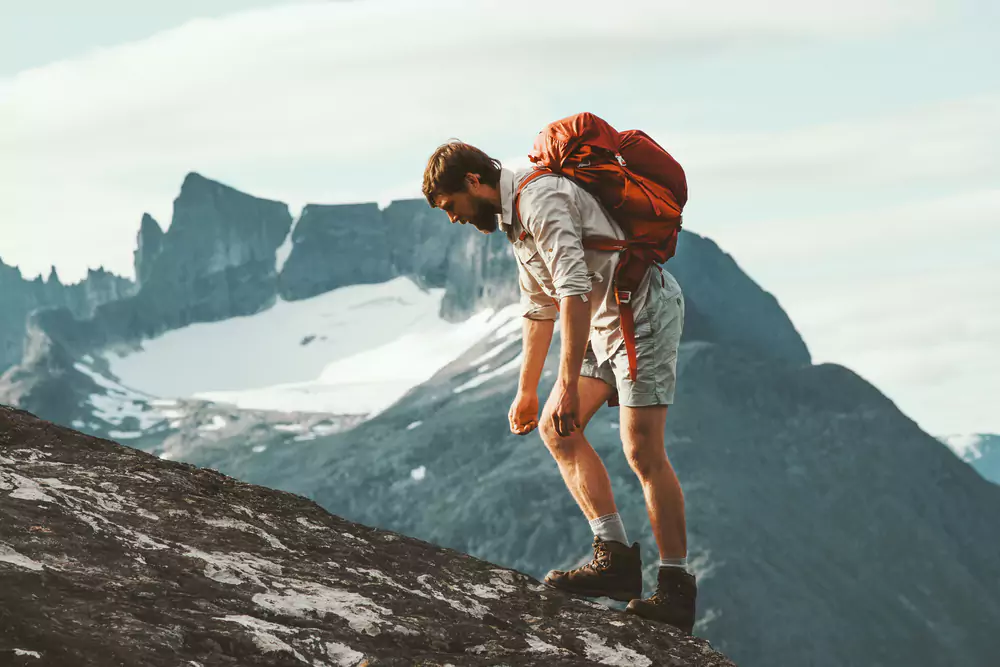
(452, 217)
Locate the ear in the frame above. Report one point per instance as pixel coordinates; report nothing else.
(471, 180)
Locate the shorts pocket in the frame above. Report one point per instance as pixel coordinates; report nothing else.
(643, 324)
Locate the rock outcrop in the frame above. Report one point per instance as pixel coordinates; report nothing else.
(217, 260)
(109, 555)
(19, 298)
(148, 243)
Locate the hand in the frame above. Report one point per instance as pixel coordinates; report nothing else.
(566, 407)
(523, 413)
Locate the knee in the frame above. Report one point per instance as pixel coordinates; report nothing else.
(559, 446)
(647, 463)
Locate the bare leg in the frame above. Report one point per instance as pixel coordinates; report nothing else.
(582, 469)
(642, 439)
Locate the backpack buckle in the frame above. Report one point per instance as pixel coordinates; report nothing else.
(624, 296)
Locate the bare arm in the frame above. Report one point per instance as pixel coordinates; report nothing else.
(536, 337)
(575, 330)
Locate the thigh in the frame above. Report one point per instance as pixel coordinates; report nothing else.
(593, 394)
(642, 430)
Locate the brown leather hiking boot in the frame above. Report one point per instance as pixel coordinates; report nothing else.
(615, 572)
(673, 602)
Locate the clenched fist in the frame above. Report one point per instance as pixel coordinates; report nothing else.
(523, 413)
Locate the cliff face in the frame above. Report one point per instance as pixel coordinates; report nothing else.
(148, 243)
(193, 567)
(216, 260)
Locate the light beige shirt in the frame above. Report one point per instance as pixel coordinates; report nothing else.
(556, 215)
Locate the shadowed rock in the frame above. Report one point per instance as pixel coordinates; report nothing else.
(109, 555)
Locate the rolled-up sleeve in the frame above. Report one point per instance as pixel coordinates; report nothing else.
(548, 212)
(535, 303)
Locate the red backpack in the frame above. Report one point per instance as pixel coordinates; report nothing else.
(640, 185)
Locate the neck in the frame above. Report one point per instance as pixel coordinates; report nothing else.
(493, 196)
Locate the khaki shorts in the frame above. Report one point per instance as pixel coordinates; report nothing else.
(657, 336)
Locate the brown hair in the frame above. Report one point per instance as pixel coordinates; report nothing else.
(448, 165)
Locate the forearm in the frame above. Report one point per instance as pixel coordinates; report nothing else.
(536, 336)
(575, 314)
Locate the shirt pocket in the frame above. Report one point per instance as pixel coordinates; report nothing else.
(524, 251)
(527, 254)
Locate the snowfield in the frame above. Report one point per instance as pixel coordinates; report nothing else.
(353, 350)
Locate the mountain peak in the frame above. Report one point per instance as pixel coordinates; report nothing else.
(53, 278)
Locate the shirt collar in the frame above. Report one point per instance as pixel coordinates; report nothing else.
(506, 198)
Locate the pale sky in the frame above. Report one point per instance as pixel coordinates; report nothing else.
(847, 154)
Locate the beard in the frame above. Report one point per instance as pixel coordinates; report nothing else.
(485, 217)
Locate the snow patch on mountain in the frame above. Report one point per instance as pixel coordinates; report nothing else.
(354, 350)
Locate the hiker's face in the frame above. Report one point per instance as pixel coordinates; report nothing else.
(470, 206)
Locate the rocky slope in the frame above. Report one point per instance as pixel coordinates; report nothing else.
(109, 555)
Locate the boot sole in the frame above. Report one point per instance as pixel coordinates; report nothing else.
(635, 612)
(620, 597)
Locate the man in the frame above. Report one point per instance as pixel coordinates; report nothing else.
(558, 277)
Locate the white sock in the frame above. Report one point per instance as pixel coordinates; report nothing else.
(609, 527)
(674, 562)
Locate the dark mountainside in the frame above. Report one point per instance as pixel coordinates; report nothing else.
(825, 526)
(111, 556)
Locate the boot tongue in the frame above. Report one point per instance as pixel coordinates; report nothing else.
(602, 554)
(670, 579)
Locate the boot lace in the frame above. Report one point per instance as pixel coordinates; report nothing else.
(602, 558)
